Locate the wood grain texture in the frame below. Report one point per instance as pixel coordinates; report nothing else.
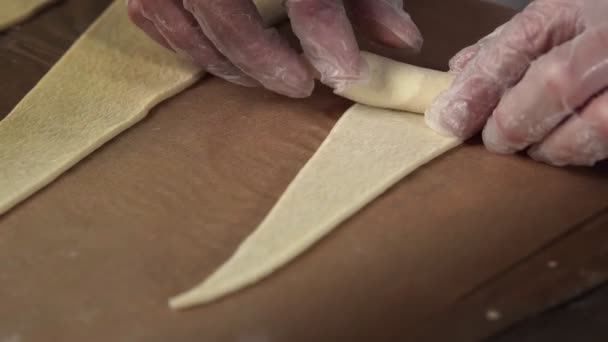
(583, 319)
(581, 261)
(562, 270)
(94, 256)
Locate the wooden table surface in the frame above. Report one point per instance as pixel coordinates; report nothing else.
(95, 255)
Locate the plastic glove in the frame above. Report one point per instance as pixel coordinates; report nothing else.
(538, 81)
(229, 40)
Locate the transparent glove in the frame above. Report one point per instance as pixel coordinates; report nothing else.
(537, 83)
(229, 40)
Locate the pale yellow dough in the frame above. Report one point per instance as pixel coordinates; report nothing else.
(399, 86)
(367, 152)
(113, 75)
(15, 11)
(107, 81)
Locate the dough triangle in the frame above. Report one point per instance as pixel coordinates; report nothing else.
(368, 151)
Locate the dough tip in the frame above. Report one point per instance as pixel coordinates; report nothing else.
(185, 301)
(194, 297)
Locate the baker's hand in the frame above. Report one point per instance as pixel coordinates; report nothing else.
(537, 82)
(229, 40)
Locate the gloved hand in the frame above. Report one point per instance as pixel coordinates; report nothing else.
(228, 39)
(537, 82)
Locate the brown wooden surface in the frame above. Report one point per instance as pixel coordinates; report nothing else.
(583, 319)
(563, 269)
(95, 255)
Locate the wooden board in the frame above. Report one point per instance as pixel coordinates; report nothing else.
(95, 255)
(563, 270)
(583, 319)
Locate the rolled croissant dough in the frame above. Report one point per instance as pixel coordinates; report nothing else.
(398, 86)
(15, 11)
(113, 75)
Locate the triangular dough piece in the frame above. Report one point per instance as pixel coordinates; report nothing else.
(368, 151)
(108, 81)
